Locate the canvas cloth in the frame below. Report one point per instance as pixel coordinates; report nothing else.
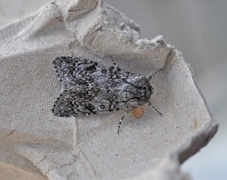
(33, 139)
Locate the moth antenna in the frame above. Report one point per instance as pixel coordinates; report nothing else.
(149, 104)
(149, 77)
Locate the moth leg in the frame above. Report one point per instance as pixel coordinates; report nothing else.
(149, 77)
(120, 122)
(149, 104)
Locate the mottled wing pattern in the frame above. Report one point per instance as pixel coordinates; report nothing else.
(73, 103)
(91, 87)
(75, 73)
(80, 87)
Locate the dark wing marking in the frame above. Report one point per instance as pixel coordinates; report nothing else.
(73, 103)
(90, 87)
(77, 103)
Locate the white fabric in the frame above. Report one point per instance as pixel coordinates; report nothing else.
(33, 139)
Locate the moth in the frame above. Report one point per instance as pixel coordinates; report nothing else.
(90, 87)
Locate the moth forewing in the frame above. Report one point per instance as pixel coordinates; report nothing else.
(90, 87)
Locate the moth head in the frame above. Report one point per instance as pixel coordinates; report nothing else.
(139, 91)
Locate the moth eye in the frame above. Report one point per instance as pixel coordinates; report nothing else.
(102, 106)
